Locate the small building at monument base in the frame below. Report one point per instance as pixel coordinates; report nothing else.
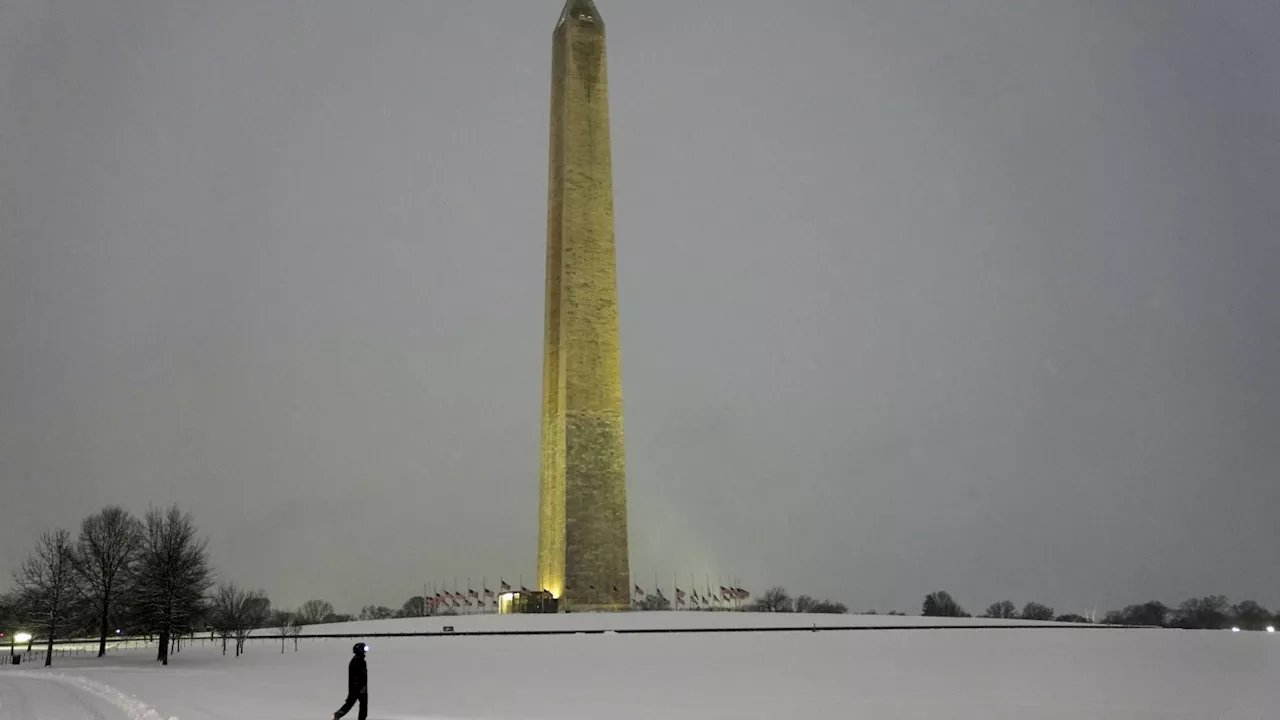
(527, 601)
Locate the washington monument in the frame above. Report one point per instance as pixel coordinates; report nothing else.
(582, 533)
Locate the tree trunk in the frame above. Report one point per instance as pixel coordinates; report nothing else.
(48, 653)
(163, 652)
(102, 637)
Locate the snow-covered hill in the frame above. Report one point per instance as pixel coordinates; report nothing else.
(1027, 674)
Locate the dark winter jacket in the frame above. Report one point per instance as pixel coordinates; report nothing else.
(357, 676)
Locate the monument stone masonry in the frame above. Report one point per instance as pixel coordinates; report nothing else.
(582, 536)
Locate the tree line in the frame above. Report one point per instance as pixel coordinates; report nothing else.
(148, 576)
(1212, 612)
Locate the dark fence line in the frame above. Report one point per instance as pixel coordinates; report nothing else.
(112, 641)
(36, 655)
(697, 631)
(117, 643)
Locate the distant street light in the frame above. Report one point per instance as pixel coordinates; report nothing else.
(1235, 629)
(13, 648)
(1271, 628)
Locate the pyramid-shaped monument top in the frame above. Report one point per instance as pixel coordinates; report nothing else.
(581, 11)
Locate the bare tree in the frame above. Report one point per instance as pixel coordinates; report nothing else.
(1036, 611)
(294, 631)
(314, 612)
(1004, 609)
(284, 623)
(1152, 612)
(255, 611)
(286, 627)
(1207, 613)
(48, 584)
(224, 606)
(808, 604)
(8, 613)
(382, 612)
(173, 574)
(774, 599)
(941, 604)
(107, 549)
(415, 606)
(1249, 615)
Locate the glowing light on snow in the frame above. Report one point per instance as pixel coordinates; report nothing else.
(1235, 629)
(1271, 628)
(22, 637)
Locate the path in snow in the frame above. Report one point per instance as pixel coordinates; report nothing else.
(52, 695)
(27, 697)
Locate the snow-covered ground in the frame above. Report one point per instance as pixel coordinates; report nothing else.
(962, 674)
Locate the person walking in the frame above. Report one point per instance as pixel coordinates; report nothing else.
(357, 684)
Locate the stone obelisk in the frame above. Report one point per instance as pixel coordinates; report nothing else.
(582, 534)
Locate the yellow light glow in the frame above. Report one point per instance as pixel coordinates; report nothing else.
(22, 637)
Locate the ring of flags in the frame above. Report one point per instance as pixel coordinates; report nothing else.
(704, 598)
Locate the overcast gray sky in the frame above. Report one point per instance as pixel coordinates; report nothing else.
(977, 296)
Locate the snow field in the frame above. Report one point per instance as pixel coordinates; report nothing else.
(961, 674)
